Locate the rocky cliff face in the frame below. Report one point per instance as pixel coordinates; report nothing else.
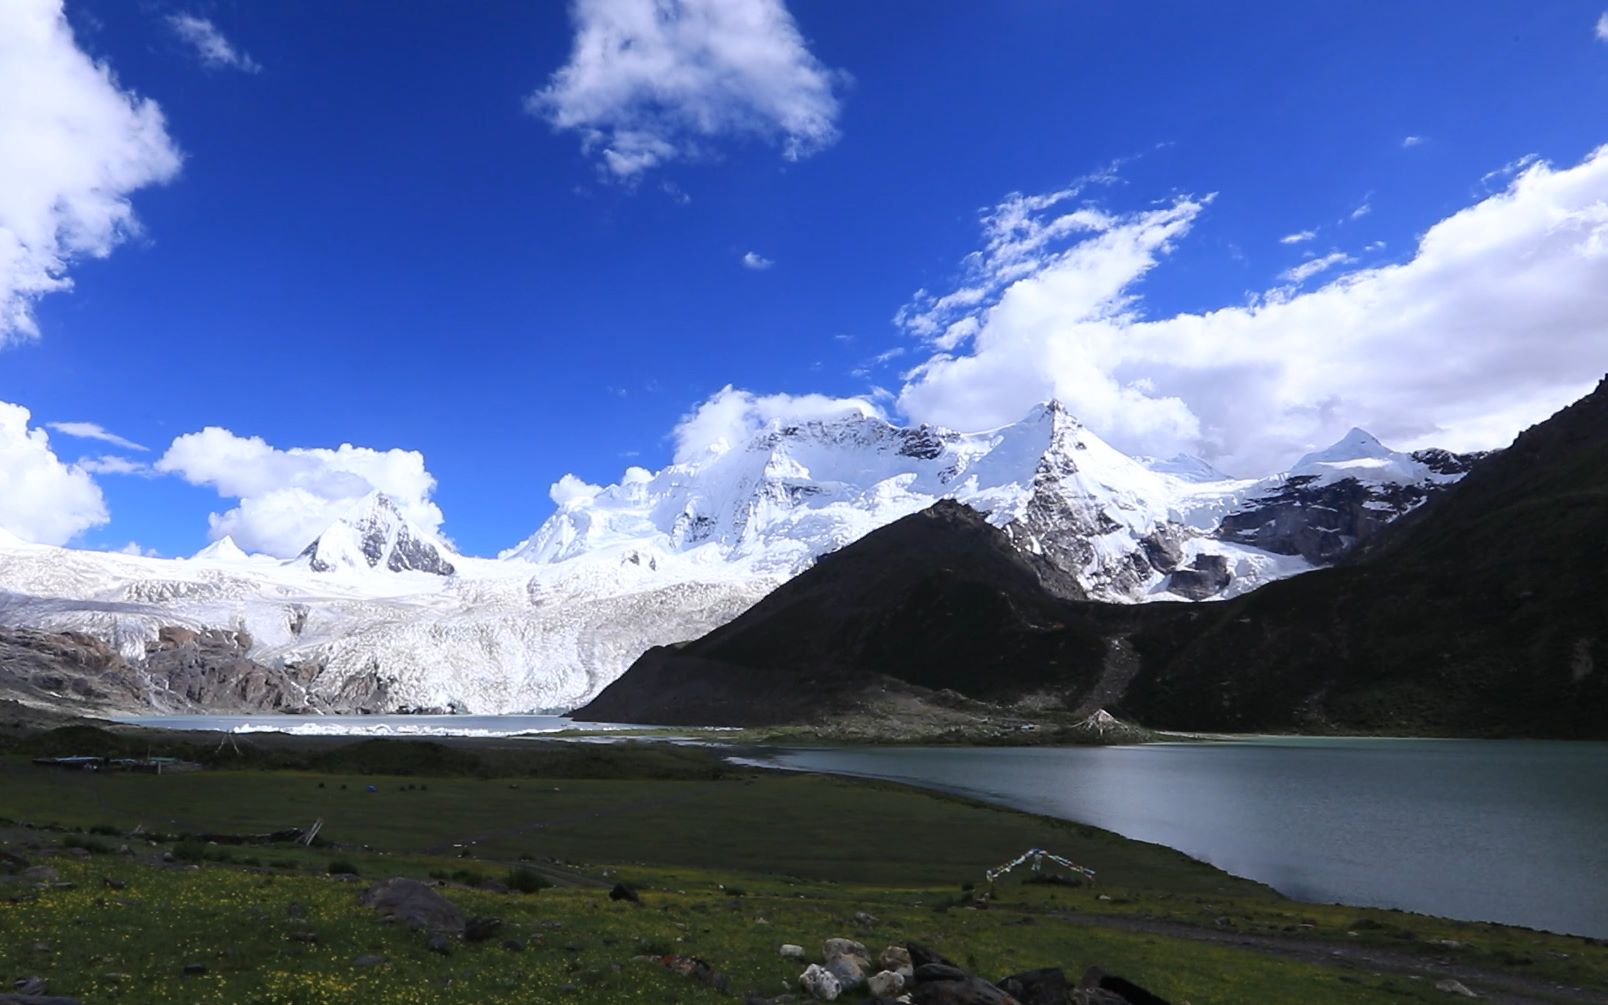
(1334, 501)
(184, 670)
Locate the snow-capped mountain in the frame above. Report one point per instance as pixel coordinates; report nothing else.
(1111, 527)
(1333, 499)
(374, 534)
(377, 614)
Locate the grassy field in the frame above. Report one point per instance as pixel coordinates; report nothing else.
(730, 866)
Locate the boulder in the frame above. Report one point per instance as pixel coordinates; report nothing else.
(848, 971)
(897, 959)
(415, 904)
(833, 949)
(1100, 988)
(623, 892)
(920, 955)
(886, 984)
(939, 972)
(966, 990)
(43, 875)
(820, 983)
(1045, 986)
(1452, 987)
(788, 951)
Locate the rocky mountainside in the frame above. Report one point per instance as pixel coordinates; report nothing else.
(1332, 500)
(182, 671)
(379, 614)
(1481, 613)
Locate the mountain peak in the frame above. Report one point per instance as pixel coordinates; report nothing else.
(373, 533)
(1055, 412)
(223, 549)
(1357, 443)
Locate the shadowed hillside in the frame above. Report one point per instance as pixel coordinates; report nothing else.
(1481, 614)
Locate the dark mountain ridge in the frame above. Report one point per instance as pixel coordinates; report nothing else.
(940, 600)
(1480, 613)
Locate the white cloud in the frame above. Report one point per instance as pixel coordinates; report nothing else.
(1495, 321)
(649, 81)
(1019, 235)
(214, 51)
(113, 464)
(76, 146)
(1602, 27)
(570, 489)
(754, 260)
(1299, 274)
(94, 431)
(729, 418)
(1408, 142)
(288, 497)
(1299, 237)
(133, 548)
(41, 499)
(1364, 208)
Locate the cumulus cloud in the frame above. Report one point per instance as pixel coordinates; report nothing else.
(1299, 274)
(94, 431)
(77, 145)
(754, 260)
(287, 497)
(1602, 27)
(1495, 321)
(1408, 142)
(570, 489)
(729, 418)
(42, 499)
(214, 51)
(1299, 237)
(649, 81)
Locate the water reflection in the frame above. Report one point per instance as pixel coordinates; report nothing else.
(1484, 830)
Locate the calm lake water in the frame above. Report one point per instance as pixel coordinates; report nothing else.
(1509, 831)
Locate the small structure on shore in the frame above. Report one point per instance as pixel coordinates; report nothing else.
(1035, 858)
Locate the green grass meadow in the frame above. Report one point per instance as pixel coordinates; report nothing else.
(729, 868)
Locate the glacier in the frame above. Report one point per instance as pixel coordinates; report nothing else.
(379, 615)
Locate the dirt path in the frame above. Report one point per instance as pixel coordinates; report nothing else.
(1500, 987)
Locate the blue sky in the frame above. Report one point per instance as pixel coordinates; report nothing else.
(375, 239)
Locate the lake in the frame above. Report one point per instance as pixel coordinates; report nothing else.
(1506, 830)
(1484, 830)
